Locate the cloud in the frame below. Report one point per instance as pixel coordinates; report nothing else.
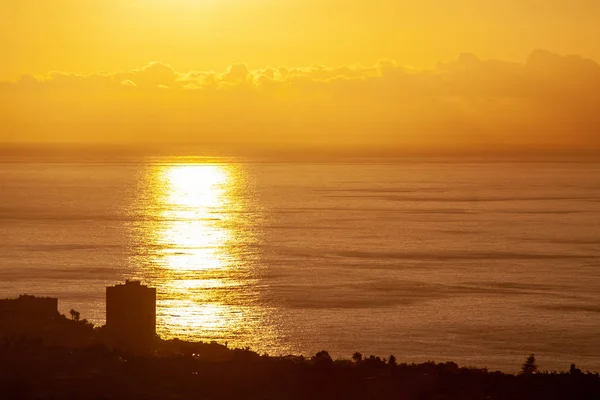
(237, 73)
(128, 83)
(547, 103)
(154, 75)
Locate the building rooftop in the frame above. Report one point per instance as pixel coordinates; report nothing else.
(129, 283)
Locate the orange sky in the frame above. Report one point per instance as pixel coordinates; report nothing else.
(271, 73)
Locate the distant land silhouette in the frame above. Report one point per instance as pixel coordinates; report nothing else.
(46, 355)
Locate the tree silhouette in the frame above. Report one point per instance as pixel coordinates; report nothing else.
(357, 357)
(392, 360)
(323, 357)
(529, 367)
(75, 315)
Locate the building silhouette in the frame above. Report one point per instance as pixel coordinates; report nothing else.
(27, 311)
(131, 312)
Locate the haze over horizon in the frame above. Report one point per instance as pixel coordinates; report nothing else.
(313, 76)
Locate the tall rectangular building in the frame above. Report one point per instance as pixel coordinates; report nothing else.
(131, 312)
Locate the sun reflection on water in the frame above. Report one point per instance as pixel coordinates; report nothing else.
(194, 199)
(205, 287)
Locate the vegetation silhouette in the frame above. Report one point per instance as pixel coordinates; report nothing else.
(322, 358)
(529, 367)
(75, 315)
(392, 360)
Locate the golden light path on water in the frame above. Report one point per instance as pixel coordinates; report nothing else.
(199, 263)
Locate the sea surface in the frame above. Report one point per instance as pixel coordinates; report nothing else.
(481, 263)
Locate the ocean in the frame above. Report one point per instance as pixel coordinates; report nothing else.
(481, 263)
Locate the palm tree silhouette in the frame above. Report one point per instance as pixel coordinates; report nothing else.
(75, 315)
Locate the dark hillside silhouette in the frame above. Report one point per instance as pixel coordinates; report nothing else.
(31, 370)
(45, 355)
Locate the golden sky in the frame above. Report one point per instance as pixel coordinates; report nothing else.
(301, 72)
